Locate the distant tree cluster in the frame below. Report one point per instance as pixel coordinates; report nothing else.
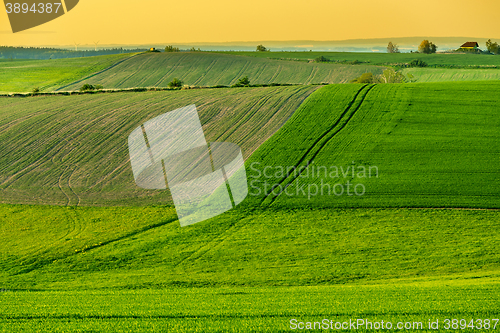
(171, 48)
(194, 50)
(11, 52)
(392, 48)
(262, 48)
(427, 47)
(492, 47)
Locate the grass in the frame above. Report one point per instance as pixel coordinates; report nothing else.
(211, 69)
(459, 60)
(446, 74)
(274, 258)
(47, 75)
(72, 150)
(60, 248)
(244, 309)
(137, 270)
(429, 145)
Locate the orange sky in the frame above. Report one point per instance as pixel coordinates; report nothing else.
(160, 21)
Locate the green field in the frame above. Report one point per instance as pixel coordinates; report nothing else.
(72, 150)
(429, 145)
(210, 69)
(247, 309)
(458, 60)
(47, 75)
(447, 74)
(83, 249)
(136, 269)
(61, 248)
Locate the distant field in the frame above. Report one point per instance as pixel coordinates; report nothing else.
(446, 74)
(383, 58)
(210, 69)
(73, 149)
(428, 145)
(47, 75)
(266, 309)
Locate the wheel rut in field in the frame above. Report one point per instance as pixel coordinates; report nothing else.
(320, 143)
(78, 227)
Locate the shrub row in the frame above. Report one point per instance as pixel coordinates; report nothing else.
(143, 89)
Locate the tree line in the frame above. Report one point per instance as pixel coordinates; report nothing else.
(13, 52)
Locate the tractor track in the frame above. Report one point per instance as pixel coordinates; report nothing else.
(328, 135)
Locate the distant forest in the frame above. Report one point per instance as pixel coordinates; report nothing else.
(10, 52)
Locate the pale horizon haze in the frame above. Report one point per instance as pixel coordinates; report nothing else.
(156, 21)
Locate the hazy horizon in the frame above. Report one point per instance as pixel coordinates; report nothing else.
(128, 22)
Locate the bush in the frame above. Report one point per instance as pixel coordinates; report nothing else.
(321, 59)
(365, 78)
(417, 63)
(98, 87)
(87, 87)
(175, 83)
(35, 90)
(244, 81)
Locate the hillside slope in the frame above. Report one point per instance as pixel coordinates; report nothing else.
(434, 146)
(395, 145)
(210, 69)
(68, 248)
(448, 74)
(377, 58)
(73, 150)
(47, 75)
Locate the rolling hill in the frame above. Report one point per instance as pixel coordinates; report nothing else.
(72, 150)
(451, 74)
(383, 59)
(47, 75)
(433, 146)
(211, 69)
(274, 257)
(401, 145)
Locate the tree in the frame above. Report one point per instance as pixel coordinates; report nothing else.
(175, 83)
(492, 47)
(170, 48)
(427, 47)
(392, 48)
(261, 48)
